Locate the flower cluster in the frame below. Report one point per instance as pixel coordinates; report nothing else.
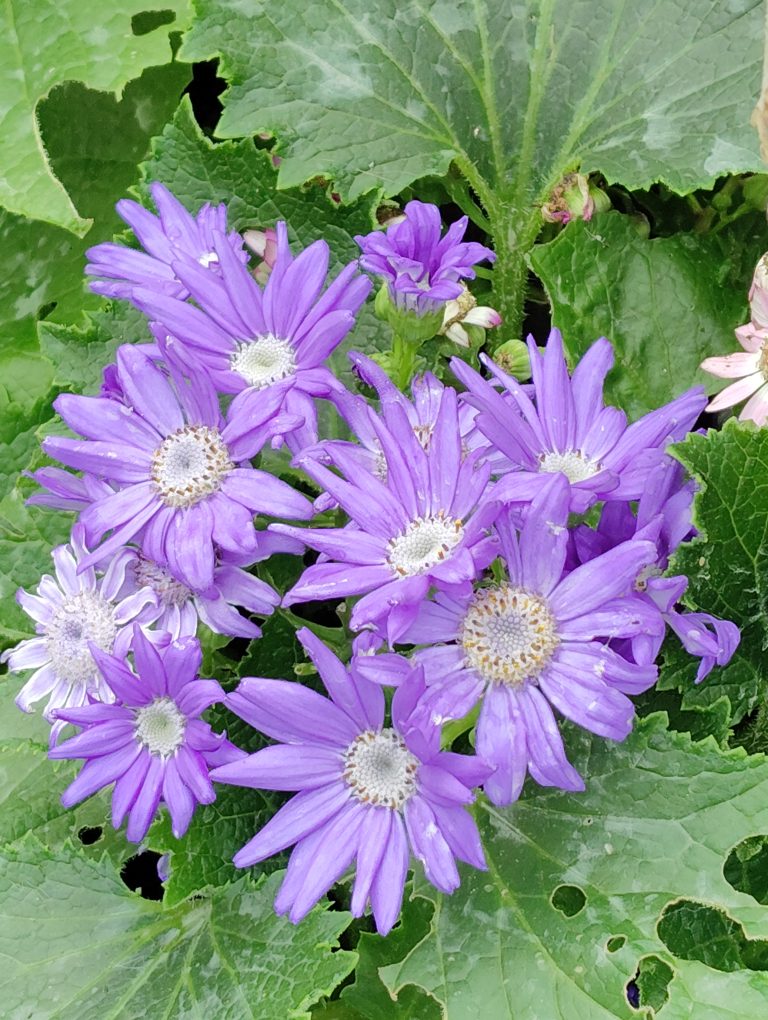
(446, 525)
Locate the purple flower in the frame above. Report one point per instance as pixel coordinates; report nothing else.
(422, 269)
(366, 791)
(178, 467)
(424, 525)
(568, 429)
(173, 236)
(151, 743)
(532, 643)
(65, 491)
(246, 338)
(78, 610)
(663, 517)
(421, 412)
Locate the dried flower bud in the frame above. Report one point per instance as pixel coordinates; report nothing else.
(758, 293)
(574, 198)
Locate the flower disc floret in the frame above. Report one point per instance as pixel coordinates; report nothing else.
(380, 770)
(264, 361)
(508, 635)
(160, 727)
(424, 543)
(190, 465)
(573, 464)
(83, 618)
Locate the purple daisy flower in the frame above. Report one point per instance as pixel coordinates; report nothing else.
(181, 472)
(663, 517)
(533, 642)
(151, 743)
(421, 269)
(74, 612)
(568, 429)
(249, 338)
(421, 412)
(424, 525)
(172, 236)
(365, 790)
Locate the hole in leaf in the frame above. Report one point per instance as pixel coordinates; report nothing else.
(613, 945)
(633, 994)
(568, 899)
(746, 868)
(45, 310)
(652, 980)
(698, 931)
(140, 874)
(148, 21)
(89, 834)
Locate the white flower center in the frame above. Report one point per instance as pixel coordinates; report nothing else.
(169, 591)
(425, 542)
(264, 360)
(508, 635)
(190, 464)
(380, 769)
(83, 618)
(160, 727)
(573, 464)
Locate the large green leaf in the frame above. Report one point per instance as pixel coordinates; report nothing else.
(577, 883)
(75, 941)
(727, 565)
(43, 44)
(666, 303)
(516, 95)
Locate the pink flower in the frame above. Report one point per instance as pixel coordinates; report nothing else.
(749, 367)
(758, 294)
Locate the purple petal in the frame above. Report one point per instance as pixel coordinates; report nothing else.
(283, 767)
(291, 713)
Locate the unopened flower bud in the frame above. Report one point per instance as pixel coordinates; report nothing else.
(264, 244)
(462, 313)
(513, 357)
(406, 322)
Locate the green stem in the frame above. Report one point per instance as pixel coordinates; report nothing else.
(404, 361)
(514, 235)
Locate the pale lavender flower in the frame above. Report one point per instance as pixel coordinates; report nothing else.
(423, 525)
(567, 429)
(366, 791)
(184, 485)
(151, 743)
(74, 612)
(535, 642)
(172, 236)
(246, 338)
(422, 269)
(217, 606)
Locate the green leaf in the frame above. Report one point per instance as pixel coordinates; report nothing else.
(30, 788)
(516, 96)
(25, 403)
(44, 44)
(95, 155)
(656, 824)
(377, 99)
(75, 941)
(726, 564)
(80, 353)
(666, 303)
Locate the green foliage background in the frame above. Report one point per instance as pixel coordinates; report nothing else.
(654, 874)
